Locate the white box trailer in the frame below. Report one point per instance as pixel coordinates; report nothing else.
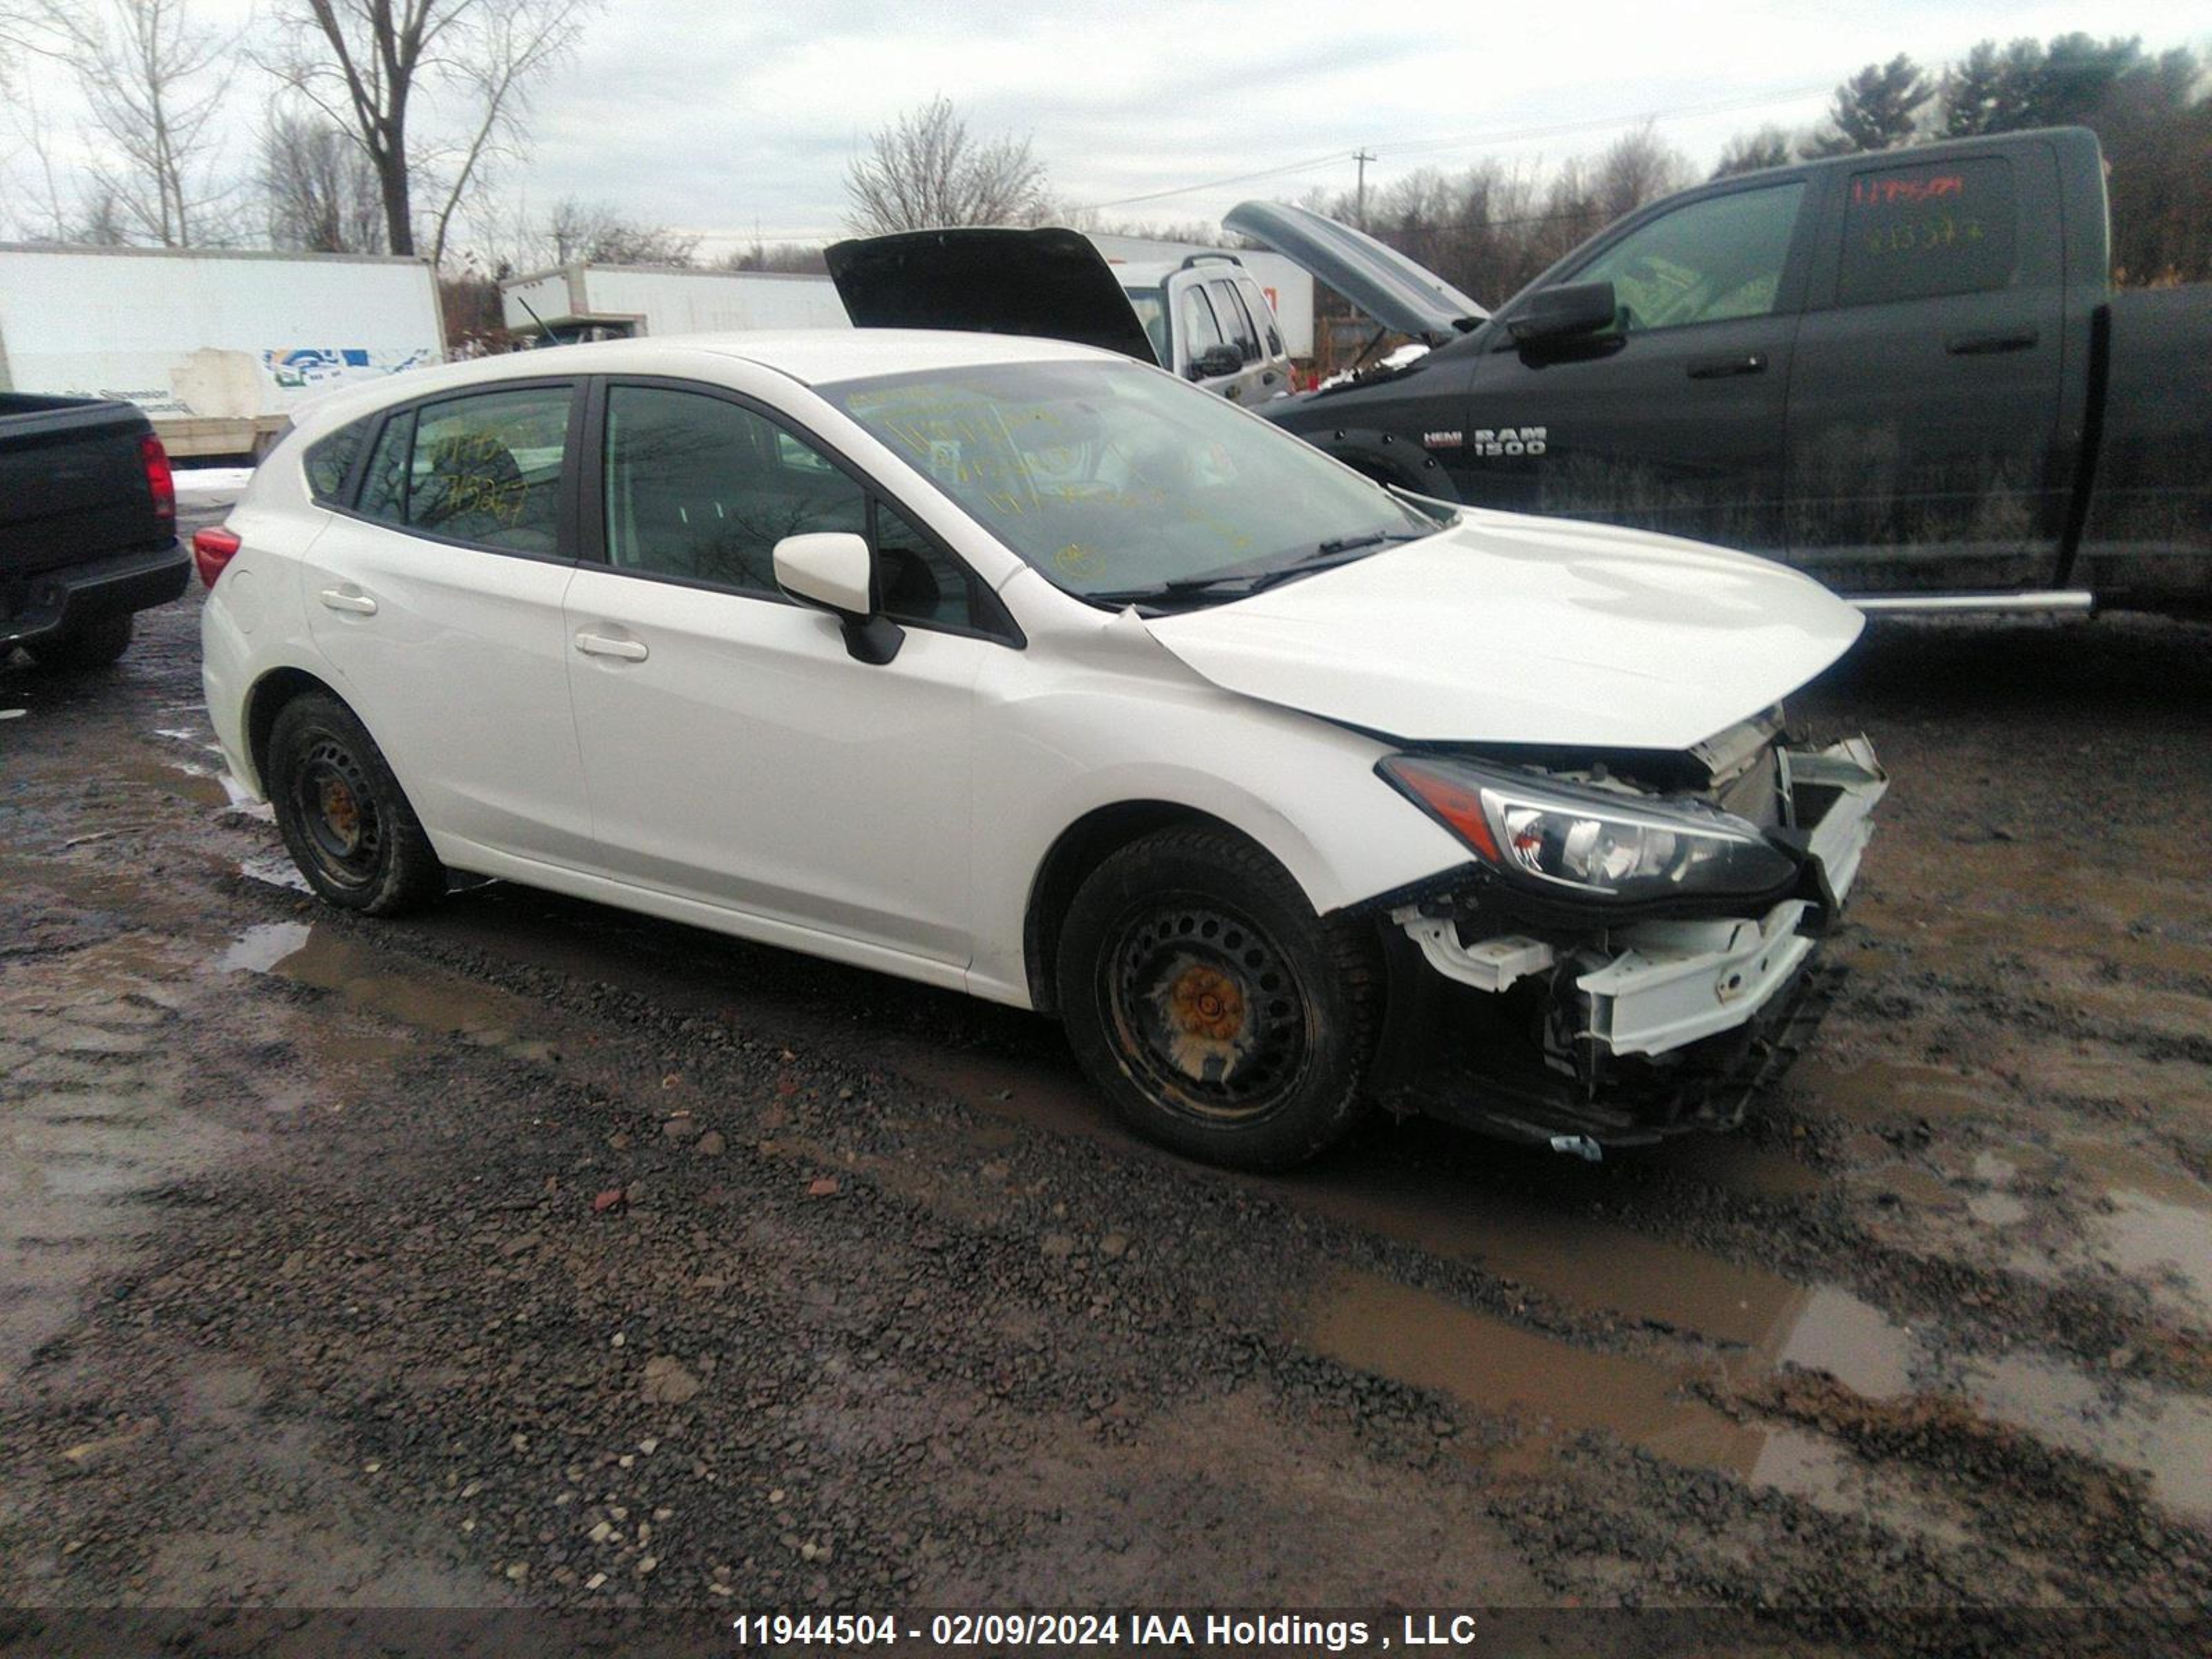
(585, 302)
(218, 347)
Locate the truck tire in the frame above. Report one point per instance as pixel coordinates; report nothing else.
(344, 818)
(1219, 1015)
(89, 645)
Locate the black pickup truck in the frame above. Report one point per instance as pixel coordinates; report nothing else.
(1905, 372)
(88, 527)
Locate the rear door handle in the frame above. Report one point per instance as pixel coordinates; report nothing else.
(349, 599)
(598, 645)
(1988, 345)
(1719, 368)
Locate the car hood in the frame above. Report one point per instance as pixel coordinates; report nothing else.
(1050, 283)
(1381, 281)
(1508, 629)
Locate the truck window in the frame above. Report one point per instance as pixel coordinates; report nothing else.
(1263, 314)
(1229, 307)
(1705, 262)
(1200, 331)
(1912, 232)
(1152, 310)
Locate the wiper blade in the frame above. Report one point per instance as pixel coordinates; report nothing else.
(1372, 538)
(1242, 584)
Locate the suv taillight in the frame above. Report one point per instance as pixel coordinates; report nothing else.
(212, 549)
(159, 480)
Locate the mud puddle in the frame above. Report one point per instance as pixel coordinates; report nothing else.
(315, 954)
(1545, 1242)
(2161, 1434)
(1551, 1391)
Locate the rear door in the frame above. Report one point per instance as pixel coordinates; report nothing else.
(1924, 436)
(437, 598)
(1673, 420)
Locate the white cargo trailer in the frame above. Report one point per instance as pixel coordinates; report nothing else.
(217, 347)
(602, 302)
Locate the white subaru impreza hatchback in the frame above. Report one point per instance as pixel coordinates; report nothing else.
(1019, 668)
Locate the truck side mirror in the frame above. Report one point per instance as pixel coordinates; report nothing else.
(1563, 314)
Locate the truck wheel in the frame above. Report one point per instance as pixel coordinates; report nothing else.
(1219, 1015)
(89, 645)
(343, 814)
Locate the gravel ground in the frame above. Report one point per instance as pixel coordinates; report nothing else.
(527, 1254)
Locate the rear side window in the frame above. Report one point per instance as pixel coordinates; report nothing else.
(330, 461)
(1263, 314)
(484, 469)
(1230, 307)
(1913, 233)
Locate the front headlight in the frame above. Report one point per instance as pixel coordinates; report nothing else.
(1591, 842)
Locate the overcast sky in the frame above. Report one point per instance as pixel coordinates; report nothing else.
(725, 117)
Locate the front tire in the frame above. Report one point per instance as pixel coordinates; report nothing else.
(343, 814)
(1219, 1015)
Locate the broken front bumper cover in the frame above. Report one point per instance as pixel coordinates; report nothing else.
(1588, 1035)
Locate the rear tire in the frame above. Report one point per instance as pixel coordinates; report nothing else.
(344, 818)
(1219, 1015)
(89, 645)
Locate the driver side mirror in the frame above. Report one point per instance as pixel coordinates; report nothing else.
(833, 571)
(1215, 362)
(1554, 315)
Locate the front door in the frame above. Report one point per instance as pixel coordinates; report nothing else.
(737, 754)
(1925, 426)
(1672, 421)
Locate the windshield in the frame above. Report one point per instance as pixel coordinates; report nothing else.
(1151, 309)
(1119, 482)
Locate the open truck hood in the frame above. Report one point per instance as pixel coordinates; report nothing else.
(1508, 629)
(1050, 283)
(1402, 295)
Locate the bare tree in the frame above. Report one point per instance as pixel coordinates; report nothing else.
(1753, 152)
(925, 170)
(598, 234)
(362, 61)
(319, 188)
(154, 82)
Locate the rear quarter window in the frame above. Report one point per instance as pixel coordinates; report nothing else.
(1914, 233)
(330, 461)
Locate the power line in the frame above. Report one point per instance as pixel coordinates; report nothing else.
(1495, 136)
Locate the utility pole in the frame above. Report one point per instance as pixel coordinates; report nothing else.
(1360, 211)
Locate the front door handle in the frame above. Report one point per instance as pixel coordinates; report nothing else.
(349, 599)
(1719, 368)
(1988, 345)
(598, 645)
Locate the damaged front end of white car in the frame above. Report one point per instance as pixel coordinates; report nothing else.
(1629, 953)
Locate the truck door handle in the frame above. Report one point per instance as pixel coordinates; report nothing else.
(1988, 345)
(598, 645)
(346, 599)
(1719, 368)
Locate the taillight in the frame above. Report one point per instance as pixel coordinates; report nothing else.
(212, 549)
(158, 479)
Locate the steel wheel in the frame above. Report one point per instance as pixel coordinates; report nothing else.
(1207, 1010)
(331, 795)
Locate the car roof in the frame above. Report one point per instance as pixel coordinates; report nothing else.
(811, 356)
